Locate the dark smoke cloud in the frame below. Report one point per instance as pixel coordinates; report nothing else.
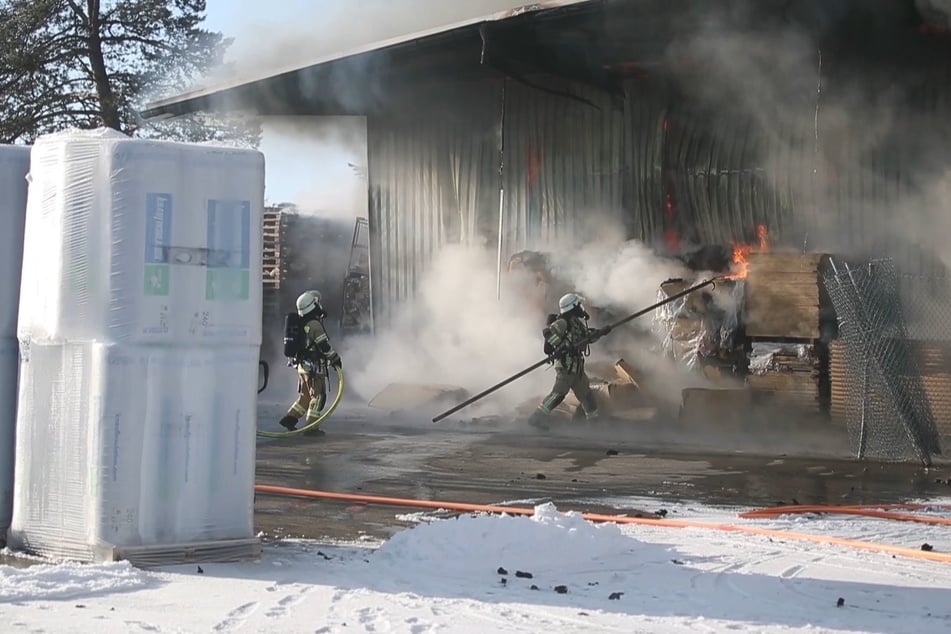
(845, 88)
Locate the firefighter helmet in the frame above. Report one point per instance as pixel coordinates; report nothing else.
(568, 303)
(307, 302)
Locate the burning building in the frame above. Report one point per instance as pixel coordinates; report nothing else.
(706, 130)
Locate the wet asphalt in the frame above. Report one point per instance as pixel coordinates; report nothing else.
(590, 467)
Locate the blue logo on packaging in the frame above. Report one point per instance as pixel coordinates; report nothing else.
(229, 250)
(158, 227)
(229, 234)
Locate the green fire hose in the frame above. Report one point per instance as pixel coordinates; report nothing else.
(323, 416)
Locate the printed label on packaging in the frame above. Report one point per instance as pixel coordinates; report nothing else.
(156, 279)
(229, 249)
(158, 235)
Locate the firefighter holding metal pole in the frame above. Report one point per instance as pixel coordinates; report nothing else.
(307, 346)
(567, 343)
(549, 357)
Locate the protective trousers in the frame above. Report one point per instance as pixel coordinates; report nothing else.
(313, 395)
(578, 383)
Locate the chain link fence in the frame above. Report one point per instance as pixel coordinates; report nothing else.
(889, 373)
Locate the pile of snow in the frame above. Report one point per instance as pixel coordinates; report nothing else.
(469, 545)
(47, 582)
(549, 572)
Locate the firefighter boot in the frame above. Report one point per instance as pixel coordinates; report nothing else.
(539, 420)
(289, 423)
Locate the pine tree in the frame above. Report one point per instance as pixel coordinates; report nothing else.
(92, 63)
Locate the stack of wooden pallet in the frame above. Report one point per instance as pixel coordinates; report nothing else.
(271, 273)
(842, 383)
(783, 319)
(784, 295)
(932, 360)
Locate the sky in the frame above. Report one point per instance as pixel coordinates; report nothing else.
(311, 165)
(551, 572)
(309, 172)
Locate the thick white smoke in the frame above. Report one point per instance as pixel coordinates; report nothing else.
(325, 28)
(456, 332)
(625, 275)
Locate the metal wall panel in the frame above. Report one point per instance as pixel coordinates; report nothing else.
(645, 132)
(433, 180)
(661, 166)
(724, 176)
(563, 165)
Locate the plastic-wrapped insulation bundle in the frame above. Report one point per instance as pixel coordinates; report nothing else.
(139, 334)
(14, 166)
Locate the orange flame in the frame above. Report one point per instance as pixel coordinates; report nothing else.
(762, 234)
(741, 253)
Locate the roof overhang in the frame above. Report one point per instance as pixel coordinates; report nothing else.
(331, 84)
(556, 45)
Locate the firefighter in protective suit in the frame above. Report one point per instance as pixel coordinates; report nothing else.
(567, 339)
(313, 365)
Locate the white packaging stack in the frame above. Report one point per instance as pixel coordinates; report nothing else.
(14, 165)
(139, 336)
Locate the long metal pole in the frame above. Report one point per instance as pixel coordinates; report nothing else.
(498, 272)
(535, 366)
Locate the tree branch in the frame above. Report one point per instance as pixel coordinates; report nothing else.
(78, 10)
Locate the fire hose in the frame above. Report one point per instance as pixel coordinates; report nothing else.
(616, 519)
(580, 345)
(876, 511)
(313, 425)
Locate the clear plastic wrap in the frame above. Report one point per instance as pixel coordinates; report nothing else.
(679, 324)
(14, 165)
(140, 241)
(139, 338)
(700, 325)
(779, 357)
(130, 446)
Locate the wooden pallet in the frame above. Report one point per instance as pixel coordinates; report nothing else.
(788, 380)
(843, 382)
(934, 363)
(783, 295)
(272, 264)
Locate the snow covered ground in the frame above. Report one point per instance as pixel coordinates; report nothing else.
(471, 574)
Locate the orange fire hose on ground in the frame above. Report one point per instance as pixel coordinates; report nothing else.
(864, 511)
(617, 519)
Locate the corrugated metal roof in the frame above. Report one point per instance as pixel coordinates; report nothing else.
(198, 99)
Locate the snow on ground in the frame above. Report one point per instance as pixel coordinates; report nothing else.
(550, 572)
